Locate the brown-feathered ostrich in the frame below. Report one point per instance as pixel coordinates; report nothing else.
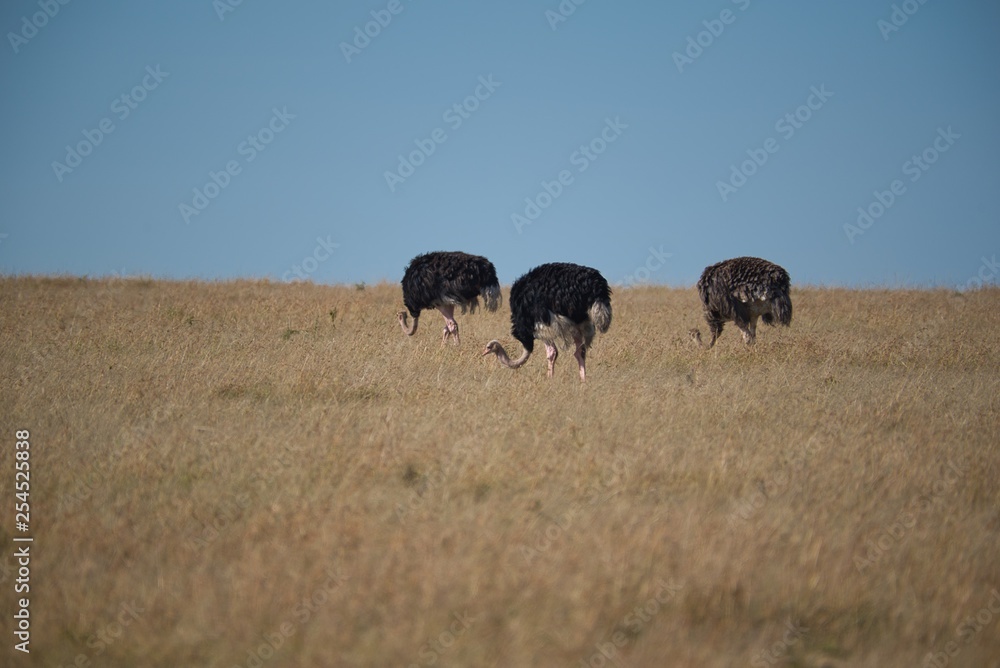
(556, 302)
(444, 280)
(741, 290)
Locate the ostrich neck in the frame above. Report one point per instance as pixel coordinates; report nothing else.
(412, 329)
(512, 364)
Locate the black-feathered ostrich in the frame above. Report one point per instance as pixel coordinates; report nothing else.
(444, 280)
(556, 302)
(741, 290)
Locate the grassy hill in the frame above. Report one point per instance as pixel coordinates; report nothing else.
(261, 474)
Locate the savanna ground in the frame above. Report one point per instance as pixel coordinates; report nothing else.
(261, 474)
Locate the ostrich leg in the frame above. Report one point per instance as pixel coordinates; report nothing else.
(450, 326)
(749, 330)
(551, 353)
(714, 328)
(581, 358)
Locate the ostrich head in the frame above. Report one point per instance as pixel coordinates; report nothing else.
(498, 350)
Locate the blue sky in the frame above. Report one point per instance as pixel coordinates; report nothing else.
(646, 139)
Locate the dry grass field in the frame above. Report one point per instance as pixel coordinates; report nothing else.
(260, 474)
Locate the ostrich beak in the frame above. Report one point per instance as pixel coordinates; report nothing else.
(486, 351)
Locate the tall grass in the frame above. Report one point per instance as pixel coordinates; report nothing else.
(251, 473)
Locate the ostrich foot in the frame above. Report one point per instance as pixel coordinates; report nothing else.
(448, 333)
(450, 326)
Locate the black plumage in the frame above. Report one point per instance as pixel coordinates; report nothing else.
(740, 291)
(557, 302)
(444, 280)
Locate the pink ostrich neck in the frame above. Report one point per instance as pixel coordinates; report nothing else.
(513, 364)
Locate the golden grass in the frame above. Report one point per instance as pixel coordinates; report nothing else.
(829, 498)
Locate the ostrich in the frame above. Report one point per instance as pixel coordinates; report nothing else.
(444, 280)
(742, 290)
(558, 301)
